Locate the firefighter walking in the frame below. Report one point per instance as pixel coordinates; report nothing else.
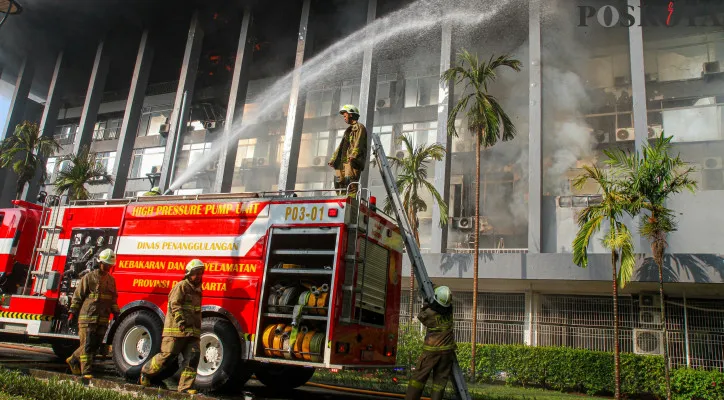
(438, 351)
(181, 329)
(94, 300)
(351, 155)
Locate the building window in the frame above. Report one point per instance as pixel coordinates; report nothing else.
(421, 133)
(107, 160)
(319, 103)
(50, 169)
(245, 154)
(65, 134)
(192, 154)
(145, 160)
(152, 119)
(385, 133)
(314, 149)
(107, 130)
(349, 94)
(421, 92)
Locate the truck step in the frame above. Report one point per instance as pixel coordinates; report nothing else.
(51, 228)
(48, 251)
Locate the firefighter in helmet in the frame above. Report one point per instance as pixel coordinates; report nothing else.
(155, 191)
(351, 155)
(438, 352)
(94, 300)
(181, 330)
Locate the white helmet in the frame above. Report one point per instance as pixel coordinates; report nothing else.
(107, 256)
(350, 109)
(193, 265)
(443, 296)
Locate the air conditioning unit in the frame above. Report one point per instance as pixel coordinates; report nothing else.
(625, 134)
(650, 316)
(318, 161)
(210, 124)
(654, 131)
(712, 163)
(600, 136)
(383, 103)
(464, 223)
(400, 154)
(711, 67)
(647, 341)
(260, 162)
(64, 165)
(650, 301)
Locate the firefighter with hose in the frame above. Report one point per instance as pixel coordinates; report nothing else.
(351, 155)
(155, 191)
(438, 351)
(94, 300)
(181, 330)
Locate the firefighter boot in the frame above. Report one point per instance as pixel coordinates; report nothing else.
(74, 365)
(145, 380)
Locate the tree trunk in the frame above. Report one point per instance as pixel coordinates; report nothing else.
(616, 344)
(413, 221)
(657, 248)
(476, 255)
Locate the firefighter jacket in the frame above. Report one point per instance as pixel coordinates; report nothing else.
(352, 149)
(96, 298)
(439, 324)
(184, 308)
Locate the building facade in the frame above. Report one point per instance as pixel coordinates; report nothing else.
(242, 98)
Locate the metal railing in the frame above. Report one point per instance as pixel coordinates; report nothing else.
(487, 251)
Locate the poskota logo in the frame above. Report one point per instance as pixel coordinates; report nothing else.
(657, 14)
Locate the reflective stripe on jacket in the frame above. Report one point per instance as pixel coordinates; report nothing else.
(440, 334)
(352, 149)
(184, 308)
(95, 298)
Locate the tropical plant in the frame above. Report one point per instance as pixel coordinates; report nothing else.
(618, 239)
(23, 152)
(487, 122)
(651, 178)
(83, 169)
(412, 182)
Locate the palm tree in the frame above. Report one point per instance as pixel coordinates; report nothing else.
(84, 169)
(411, 183)
(613, 205)
(488, 122)
(652, 179)
(24, 150)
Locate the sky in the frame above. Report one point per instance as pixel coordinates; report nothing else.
(6, 92)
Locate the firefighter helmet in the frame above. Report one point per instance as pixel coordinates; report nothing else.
(350, 109)
(443, 296)
(107, 256)
(193, 265)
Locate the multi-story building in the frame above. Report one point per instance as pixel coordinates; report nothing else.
(243, 96)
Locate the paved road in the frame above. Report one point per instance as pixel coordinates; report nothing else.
(17, 356)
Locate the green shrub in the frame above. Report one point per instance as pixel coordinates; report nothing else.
(693, 384)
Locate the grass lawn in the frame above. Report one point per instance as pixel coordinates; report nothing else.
(514, 392)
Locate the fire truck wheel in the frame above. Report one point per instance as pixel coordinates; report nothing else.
(220, 366)
(283, 377)
(63, 349)
(137, 338)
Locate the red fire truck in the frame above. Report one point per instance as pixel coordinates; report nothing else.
(291, 283)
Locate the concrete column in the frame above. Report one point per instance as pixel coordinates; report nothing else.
(15, 115)
(368, 91)
(530, 325)
(441, 181)
(93, 97)
(132, 115)
(235, 108)
(297, 101)
(535, 139)
(638, 95)
(48, 122)
(186, 84)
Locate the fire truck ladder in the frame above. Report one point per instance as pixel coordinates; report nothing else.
(46, 245)
(413, 251)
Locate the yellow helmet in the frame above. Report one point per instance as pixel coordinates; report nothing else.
(443, 296)
(107, 256)
(193, 265)
(350, 109)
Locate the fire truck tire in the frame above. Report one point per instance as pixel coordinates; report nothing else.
(283, 377)
(137, 339)
(220, 366)
(63, 349)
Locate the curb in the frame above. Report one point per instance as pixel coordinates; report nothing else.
(359, 391)
(116, 386)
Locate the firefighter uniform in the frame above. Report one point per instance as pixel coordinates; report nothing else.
(94, 300)
(181, 332)
(351, 155)
(438, 352)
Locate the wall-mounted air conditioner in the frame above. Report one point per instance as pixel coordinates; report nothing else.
(318, 161)
(650, 301)
(210, 124)
(600, 136)
(654, 131)
(383, 103)
(260, 162)
(64, 165)
(400, 154)
(625, 134)
(463, 223)
(712, 163)
(647, 341)
(650, 316)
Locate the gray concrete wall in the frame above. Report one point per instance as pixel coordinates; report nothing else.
(701, 222)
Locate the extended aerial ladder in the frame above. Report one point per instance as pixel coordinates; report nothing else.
(413, 251)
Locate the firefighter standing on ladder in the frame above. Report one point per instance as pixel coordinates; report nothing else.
(181, 330)
(351, 156)
(96, 298)
(438, 352)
